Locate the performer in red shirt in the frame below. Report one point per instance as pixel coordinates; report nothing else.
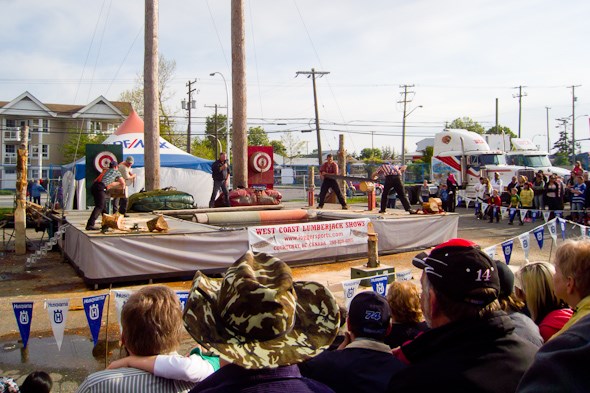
(332, 168)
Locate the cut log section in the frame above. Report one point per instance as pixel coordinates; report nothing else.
(114, 221)
(157, 224)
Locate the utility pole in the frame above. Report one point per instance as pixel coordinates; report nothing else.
(574, 98)
(548, 144)
(150, 97)
(404, 101)
(20, 212)
(188, 106)
(519, 96)
(238, 63)
(217, 143)
(312, 74)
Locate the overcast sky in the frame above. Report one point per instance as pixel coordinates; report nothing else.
(459, 55)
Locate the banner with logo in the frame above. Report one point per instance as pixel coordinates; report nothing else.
(546, 215)
(404, 275)
(308, 235)
(539, 234)
(350, 287)
(58, 314)
(507, 250)
(121, 296)
(379, 284)
(525, 244)
(93, 307)
(490, 251)
(23, 311)
(182, 298)
(523, 213)
(562, 227)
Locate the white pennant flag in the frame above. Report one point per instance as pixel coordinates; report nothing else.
(546, 215)
(350, 287)
(583, 231)
(552, 230)
(491, 251)
(58, 313)
(121, 296)
(484, 206)
(504, 211)
(523, 213)
(525, 243)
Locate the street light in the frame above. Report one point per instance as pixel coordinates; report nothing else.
(404, 131)
(227, 115)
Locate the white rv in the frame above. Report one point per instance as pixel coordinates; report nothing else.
(525, 153)
(467, 155)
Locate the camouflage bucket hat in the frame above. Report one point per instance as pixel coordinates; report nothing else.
(257, 317)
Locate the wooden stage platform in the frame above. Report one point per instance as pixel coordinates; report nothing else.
(123, 256)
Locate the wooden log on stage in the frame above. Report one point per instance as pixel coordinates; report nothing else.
(157, 224)
(114, 221)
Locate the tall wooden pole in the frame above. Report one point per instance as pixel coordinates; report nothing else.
(239, 112)
(150, 96)
(341, 163)
(20, 213)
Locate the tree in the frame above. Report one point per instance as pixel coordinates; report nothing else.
(563, 145)
(292, 144)
(368, 153)
(166, 70)
(257, 137)
(278, 147)
(466, 123)
(500, 130)
(201, 147)
(76, 141)
(387, 153)
(215, 130)
(427, 154)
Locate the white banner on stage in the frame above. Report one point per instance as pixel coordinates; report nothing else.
(308, 235)
(58, 313)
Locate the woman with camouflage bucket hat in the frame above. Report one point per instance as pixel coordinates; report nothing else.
(262, 323)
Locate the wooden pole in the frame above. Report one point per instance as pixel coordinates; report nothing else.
(20, 213)
(239, 112)
(341, 163)
(150, 95)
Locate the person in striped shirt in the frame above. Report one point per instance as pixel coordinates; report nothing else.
(152, 325)
(393, 179)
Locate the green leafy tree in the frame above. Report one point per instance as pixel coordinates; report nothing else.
(371, 154)
(166, 70)
(216, 130)
(563, 146)
(427, 154)
(75, 144)
(257, 137)
(278, 147)
(466, 123)
(500, 130)
(201, 147)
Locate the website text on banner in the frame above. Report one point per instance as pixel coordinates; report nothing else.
(308, 235)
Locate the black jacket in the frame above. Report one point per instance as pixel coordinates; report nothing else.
(466, 356)
(216, 172)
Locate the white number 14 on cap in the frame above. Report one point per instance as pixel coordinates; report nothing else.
(483, 275)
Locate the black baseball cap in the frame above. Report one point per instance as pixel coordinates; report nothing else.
(458, 267)
(369, 315)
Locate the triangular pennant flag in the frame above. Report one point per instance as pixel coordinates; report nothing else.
(539, 234)
(182, 298)
(562, 227)
(525, 244)
(403, 275)
(552, 230)
(93, 307)
(534, 215)
(121, 296)
(58, 314)
(350, 287)
(490, 251)
(507, 250)
(379, 284)
(583, 231)
(485, 206)
(503, 211)
(546, 216)
(559, 213)
(523, 213)
(23, 311)
(511, 213)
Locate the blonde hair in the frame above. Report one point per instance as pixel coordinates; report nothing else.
(152, 321)
(573, 260)
(536, 281)
(404, 300)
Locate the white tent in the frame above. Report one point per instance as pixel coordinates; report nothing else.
(178, 169)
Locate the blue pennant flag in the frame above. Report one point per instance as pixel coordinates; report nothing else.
(507, 250)
(534, 215)
(379, 284)
(562, 227)
(23, 311)
(559, 213)
(93, 308)
(539, 234)
(182, 298)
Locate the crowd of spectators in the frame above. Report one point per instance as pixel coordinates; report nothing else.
(475, 325)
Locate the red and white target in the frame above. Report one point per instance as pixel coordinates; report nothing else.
(261, 161)
(103, 159)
